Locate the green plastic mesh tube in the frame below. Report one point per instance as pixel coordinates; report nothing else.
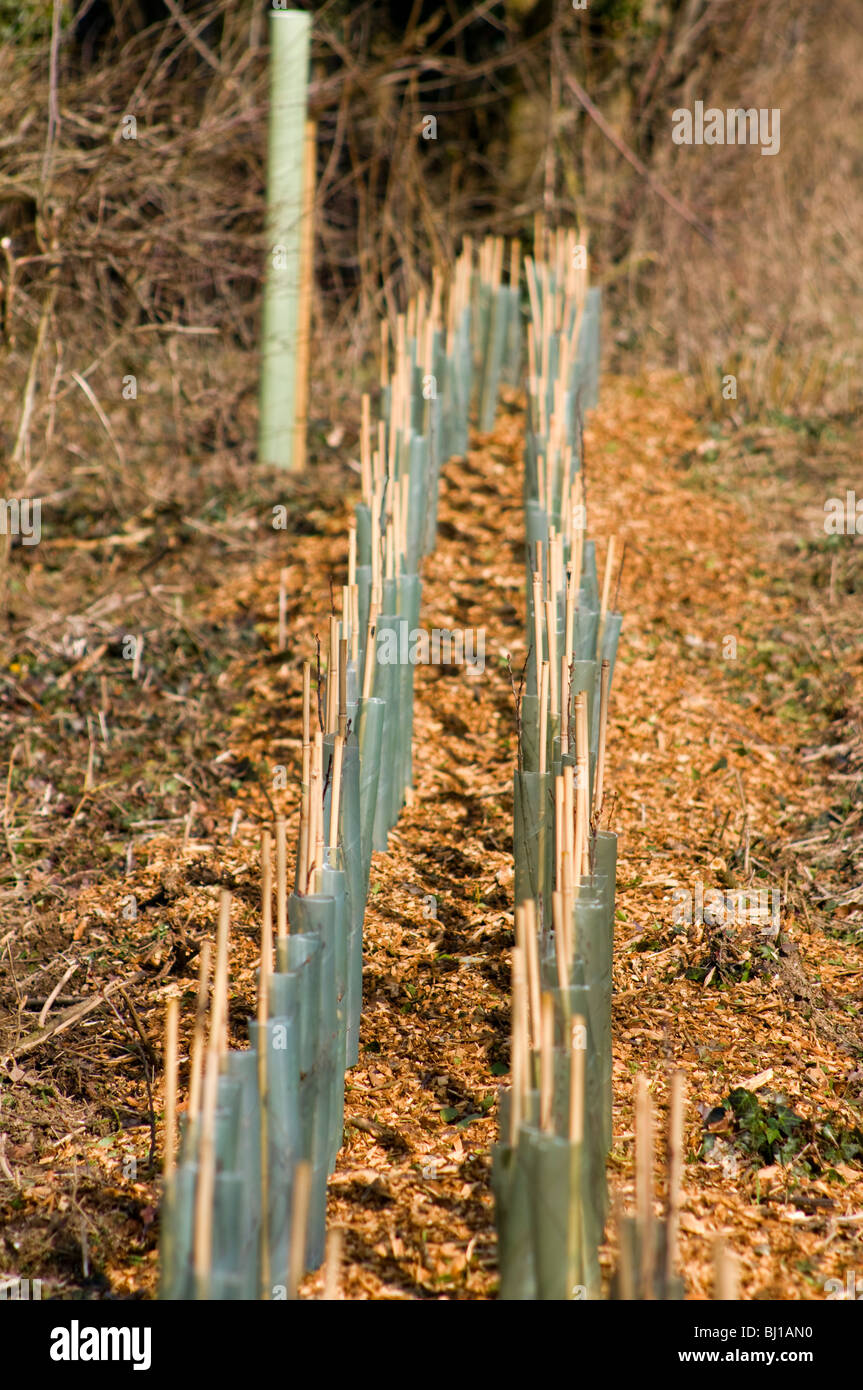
(514, 336)
(494, 357)
(533, 838)
(315, 915)
(226, 1277)
(589, 583)
(332, 881)
(289, 63)
(530, 733)
(410, 599)
(350, 840)
(592, 937)
(243, 1068)
(279, 1040)
(417, 500)
(586, 627)
(554, 1168)
(510, 1181)
(567, 1004)
(609, 643)
(179, 1279)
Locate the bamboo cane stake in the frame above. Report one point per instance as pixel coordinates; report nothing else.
(533, 293)
(385, 351)
(345, 623)
(543, 717)
(538, 610)
(580, 527)
(343, 688)
(366, 450)
(171, 1070)
(319, 801)
(369, 667)
(533, 974)
(553, 669)
(303, 851)
(520, 1048)
(644, 1182)
(355, 623)
(299, 1226)
(566, 671)
(559, 831)
(569, 860)
(266, 961)
(583, 865)
(283, 610)
(514, 263)
(603, 729)
(675, 1171)
(625, 1272)
(264, 971)
(404, 510)
(336, 790)
(203, 1239)
(725, 1273)
(557, 912)
(546, 1066)
(610, 559)
(197, 1064)
(333, 1266)
(315, 814)
(576, 1079)
(333, 676)
(582, 766)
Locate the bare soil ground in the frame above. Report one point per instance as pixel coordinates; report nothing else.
(735, 769)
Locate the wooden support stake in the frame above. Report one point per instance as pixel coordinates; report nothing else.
(546, 1067)
(576, 1079)
(559, 938)
(266, 960)
(519, 1056)
(333, 1265)
(603, 728)
(606, 586)
(197, 1065)
(543, 717)
(369, 659)
(533, 973)
(336, 790)
(644, 1183)
(299, 1226)
(281, 878)
(283, 610)
(203, 1237)
(675, 1171)
(366, 449)
(551, 637)
(725, 1273)
(333, 677)
(171, 1069)
(343, 688)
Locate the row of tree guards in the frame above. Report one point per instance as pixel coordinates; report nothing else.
(556, 1119)
(244, 1205)
(549, 1166)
